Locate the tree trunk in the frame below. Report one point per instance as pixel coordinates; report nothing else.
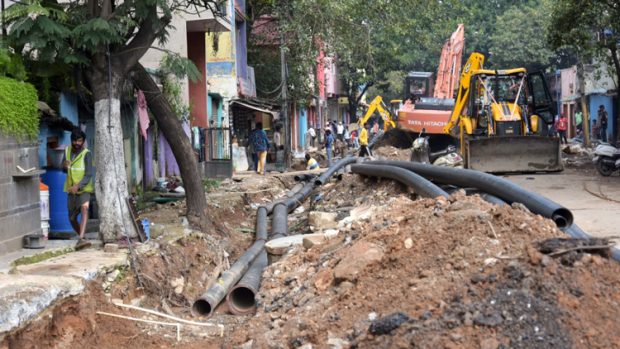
(181, 148)
(111, 178)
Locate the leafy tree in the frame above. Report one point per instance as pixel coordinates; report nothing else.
(106, 39)
(517, 40)
(592, 29)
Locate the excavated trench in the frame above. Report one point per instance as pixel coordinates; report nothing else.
(405, 271)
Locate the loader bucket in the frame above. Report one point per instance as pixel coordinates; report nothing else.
(507, 154)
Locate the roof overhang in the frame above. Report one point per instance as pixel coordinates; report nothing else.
(210, 23)
(263, 109)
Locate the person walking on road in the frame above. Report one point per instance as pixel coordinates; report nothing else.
(260, 142)
(562, 126)
(329, 145)
(363, 139)
(311, 134)
(78, 165)
(602, 119)
(340, 131)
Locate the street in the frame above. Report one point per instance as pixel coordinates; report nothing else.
(594, 200)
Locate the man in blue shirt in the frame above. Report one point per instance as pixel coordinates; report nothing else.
(329, 144)
(260, 142)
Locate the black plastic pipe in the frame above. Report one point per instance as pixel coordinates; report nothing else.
(325, 176)
(242, 298)
(279, 222)
(575, 232)
(491, 184)
(419, 184)
(206, 304)
(261, 223)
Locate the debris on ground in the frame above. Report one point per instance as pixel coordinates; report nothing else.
(383, 268)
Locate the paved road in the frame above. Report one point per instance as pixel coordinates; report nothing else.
(593, 199)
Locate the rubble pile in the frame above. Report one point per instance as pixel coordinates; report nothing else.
(455, 273)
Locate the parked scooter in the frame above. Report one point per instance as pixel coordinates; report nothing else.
(606, 159)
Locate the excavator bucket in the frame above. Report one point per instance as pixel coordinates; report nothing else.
(509, 154)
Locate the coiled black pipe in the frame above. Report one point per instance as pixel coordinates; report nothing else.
(491, 184)
(419, 184)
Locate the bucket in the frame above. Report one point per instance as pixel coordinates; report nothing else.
(44, 195)
(146, 226)
(45, 229)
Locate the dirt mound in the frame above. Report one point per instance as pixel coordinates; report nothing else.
(392, 153)
(437, 273)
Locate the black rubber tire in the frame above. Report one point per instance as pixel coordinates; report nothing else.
(604, 169)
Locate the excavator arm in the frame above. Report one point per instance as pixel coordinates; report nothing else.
(377, 106)
(474, 62)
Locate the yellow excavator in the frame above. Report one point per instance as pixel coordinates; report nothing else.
(500, 118)
(378, 106)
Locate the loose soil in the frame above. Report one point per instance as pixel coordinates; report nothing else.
(408, 273)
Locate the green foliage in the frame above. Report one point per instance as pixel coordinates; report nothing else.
(11, 65)
(180, 67)
(210, 184)
(19, 116)
(172, 89)
(517, 38)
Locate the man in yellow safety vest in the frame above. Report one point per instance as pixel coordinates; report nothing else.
(78, 164)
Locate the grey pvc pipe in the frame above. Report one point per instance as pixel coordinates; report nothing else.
(325, 176)
(419, 184)
(491, 184)
(206, 304)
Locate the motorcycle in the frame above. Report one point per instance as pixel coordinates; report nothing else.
(606, 159)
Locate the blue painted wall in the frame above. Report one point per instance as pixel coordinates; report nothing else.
(594, 102)
(69, 110)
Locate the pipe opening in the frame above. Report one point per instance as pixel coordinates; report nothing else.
(563, 218)
(243, 299)
(201, 307)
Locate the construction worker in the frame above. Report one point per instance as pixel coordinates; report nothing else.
(312, 164)
(364, 150)
(78, 164)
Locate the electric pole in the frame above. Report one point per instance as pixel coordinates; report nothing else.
(284, 113)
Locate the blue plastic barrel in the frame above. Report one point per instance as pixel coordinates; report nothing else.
(59, 213)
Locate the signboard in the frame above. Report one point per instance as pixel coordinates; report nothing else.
(343, 100)
(433, 121)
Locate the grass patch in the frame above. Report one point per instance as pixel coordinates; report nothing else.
(40, 257)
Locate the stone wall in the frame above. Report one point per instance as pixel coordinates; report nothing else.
(20, 212)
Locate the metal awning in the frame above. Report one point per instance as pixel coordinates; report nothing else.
(275, 114)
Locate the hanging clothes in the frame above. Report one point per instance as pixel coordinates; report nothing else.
(143, 114)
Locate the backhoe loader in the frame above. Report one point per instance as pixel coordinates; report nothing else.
(500, 118)
(378, 106)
